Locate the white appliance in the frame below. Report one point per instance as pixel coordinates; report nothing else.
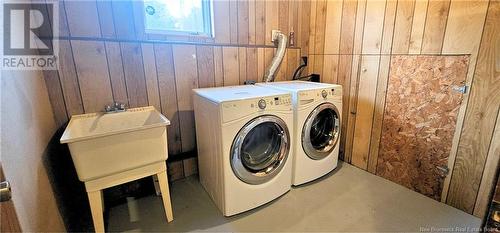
(244, 145)
(318, 110)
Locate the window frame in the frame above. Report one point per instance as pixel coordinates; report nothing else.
(208, 27)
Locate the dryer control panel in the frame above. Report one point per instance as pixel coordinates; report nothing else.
(331, 94)
(236, 109)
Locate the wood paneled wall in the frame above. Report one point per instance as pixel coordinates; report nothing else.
(351, 43)
(106, 56)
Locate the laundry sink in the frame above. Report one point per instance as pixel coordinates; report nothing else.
(104, 144)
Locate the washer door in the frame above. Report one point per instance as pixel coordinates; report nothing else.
(321, 131)
(260, 149)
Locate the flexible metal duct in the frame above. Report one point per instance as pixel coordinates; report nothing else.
(280, 40)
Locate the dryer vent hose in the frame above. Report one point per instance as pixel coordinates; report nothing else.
(281, 41)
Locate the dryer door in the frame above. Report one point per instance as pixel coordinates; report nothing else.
(260, 149)
(321, 131)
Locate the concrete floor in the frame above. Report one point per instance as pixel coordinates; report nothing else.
(348, 199)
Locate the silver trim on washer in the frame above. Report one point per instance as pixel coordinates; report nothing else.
(310, 151)
(267, 173)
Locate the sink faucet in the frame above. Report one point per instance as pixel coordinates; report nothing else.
(116, 107)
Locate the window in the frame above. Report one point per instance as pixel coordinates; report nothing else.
(178, 17)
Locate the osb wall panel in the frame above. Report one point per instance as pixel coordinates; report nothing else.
(419, 120)
(354, 30)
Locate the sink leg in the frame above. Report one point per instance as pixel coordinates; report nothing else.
(165, 193)
(96, 204)
(157, 186)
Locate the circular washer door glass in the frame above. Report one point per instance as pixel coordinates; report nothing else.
(321, 131)
(260, 149)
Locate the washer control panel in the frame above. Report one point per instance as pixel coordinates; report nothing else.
(239, 108)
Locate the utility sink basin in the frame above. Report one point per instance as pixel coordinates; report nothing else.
(104, 144)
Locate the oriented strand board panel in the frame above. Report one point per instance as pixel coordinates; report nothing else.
(480, 118)
(367, 88)
(419, 120)
(93, 75)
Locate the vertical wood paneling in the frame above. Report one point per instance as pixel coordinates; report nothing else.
(218, 67)
(364, 110)
(116, 73)
(303, 37)
(242, 59)
(348, 26)
(344, 79)
(480, 117)
(332, 27)
(293, 61)
(351, 118)
(360, 23)
(283, 10)
(260, 63)
(437, 14)
(123, 15)
(149, 61)
(233, 22)
(319, 43)
(378, 112)
(243, 22)
(402, 27)
(134, 74)
(473, 15)
(272, 18)
(260, 22)
(206, 66)
(69, 79)
(312, 30)
(252, 64)
(104, 8)
(56, 96)
(168, 95)
(374, 23)
(330, 67)
(186, 79)
(231, 66)
(93, 76)
(221, 22)
(251, 22)
(417, 28)
(387, 34)
(488, 177)
(78, 10)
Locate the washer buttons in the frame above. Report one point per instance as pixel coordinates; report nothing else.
(262, 104)
(324, 94)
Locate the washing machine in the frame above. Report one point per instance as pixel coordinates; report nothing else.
(244, 144)
(317, 108)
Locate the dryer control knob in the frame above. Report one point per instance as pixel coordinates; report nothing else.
(324, 94)
(262, 104)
